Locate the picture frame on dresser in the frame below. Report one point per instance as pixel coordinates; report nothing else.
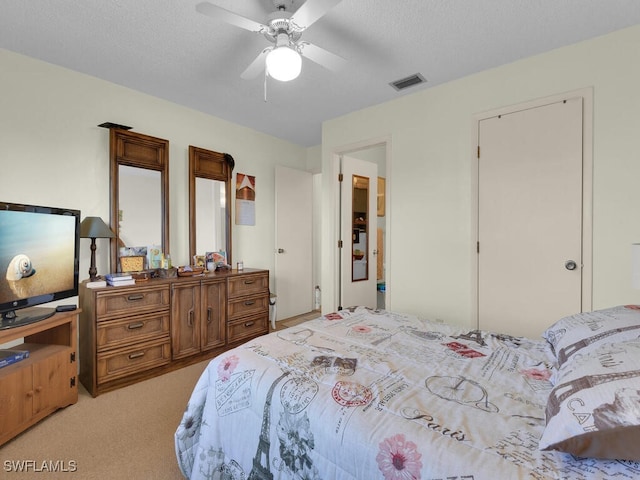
(132, 263)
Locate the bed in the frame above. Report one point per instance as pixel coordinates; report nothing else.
(364, 394)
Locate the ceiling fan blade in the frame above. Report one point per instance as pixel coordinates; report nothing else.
(321, 56)
(220, 13)
(256, 67)
(312, 10)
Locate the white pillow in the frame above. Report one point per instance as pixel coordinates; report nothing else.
(584, 332)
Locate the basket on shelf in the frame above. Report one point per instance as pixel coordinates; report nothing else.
(190, 270)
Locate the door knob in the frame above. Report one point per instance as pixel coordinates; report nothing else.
(281, 250)
(570, 265)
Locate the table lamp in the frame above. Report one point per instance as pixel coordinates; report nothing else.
(94, 227)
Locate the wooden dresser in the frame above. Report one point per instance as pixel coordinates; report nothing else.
(37, 386)
(131, 333)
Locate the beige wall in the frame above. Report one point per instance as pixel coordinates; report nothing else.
(429, 176)
(52, 152)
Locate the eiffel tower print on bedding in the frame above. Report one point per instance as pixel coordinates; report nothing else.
(371, 394)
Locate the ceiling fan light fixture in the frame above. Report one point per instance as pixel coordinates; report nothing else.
(283, 63)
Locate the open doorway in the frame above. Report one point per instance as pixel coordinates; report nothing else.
(363, 227)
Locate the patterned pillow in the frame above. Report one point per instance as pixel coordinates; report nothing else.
(582, 333)
(594, 408)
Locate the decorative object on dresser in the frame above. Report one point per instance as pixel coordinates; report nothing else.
(132, 263)
(190, 270)
(43, 382)
(120, 279)
(130, 333)
(94, 227)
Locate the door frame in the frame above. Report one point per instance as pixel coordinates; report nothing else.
(336, 155)
(357, 291)
(587, 190)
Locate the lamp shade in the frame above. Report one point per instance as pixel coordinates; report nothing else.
(94, 227)
(284, 63)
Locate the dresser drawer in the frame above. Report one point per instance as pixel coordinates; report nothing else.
(117, 333)
(247, 306)
(134, 359)
(247, 327)
(249, 284)
(131, 301)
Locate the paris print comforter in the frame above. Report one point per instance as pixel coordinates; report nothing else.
(363, 394)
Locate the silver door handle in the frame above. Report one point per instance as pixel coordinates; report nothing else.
(570, 265)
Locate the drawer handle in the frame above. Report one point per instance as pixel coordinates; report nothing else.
(249, 282)
(133, 326)
(133, 298)
(190, 321)
(249, 324)
(133, 356)
(209, 310)
(248, 303)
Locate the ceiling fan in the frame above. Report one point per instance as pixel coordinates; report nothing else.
(282, 60)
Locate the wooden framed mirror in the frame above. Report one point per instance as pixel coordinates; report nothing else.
(139, 169)
(209, 202)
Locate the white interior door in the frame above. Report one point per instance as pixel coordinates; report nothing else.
(359, 191)
(294, 242)
(530, 218)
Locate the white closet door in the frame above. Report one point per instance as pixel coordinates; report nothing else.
(530, 218)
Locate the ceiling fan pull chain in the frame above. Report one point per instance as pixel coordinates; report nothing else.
(266, 74)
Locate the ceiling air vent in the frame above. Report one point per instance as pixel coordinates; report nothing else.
(407, 82)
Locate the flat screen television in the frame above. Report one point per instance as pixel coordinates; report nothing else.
(39, 260)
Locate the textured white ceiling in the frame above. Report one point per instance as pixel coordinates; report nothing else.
(167, 49)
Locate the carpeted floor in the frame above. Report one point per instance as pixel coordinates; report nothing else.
(127, 433)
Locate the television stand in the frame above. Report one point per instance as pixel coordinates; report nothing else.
(25, 316)
(37, 386)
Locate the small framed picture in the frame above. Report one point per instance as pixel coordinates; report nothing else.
(132, 263)
(220, 257)
(198, 260)
(154, 256)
